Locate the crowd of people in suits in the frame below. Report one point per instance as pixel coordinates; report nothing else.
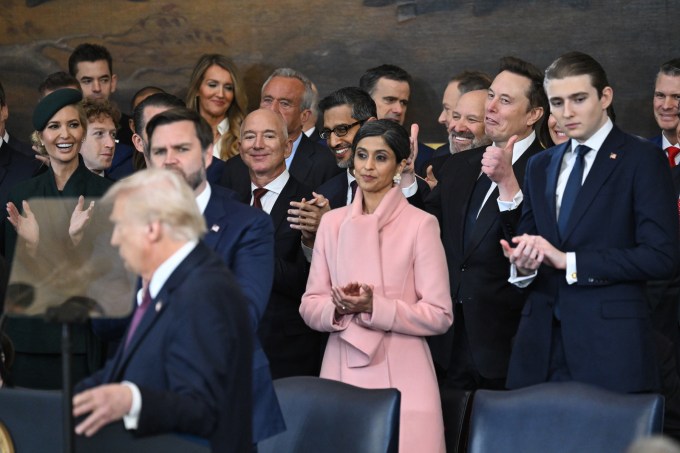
(540, 243)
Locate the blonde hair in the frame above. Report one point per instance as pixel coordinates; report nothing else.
(237, 110)
(164, 196)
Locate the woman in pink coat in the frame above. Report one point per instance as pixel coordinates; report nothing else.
(379, 283)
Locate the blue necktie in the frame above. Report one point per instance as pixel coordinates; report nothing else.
(572, 188)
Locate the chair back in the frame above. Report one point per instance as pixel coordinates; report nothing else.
(328, 416)
(561, 417)
(33, 420)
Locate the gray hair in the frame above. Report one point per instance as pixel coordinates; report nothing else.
(308, 97)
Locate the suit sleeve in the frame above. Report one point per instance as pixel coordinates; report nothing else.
(432, 313)
(654, 255)
(253, 265)
(208, 364)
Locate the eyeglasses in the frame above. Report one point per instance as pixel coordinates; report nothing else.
(339, 131)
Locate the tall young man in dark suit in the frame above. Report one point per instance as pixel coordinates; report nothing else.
(474, 187)
(180, 140)
(291, 346)
(599, 219)
(185, 365)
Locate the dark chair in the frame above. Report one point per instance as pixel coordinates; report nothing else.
(332, 417)
(33, 420)
(561, 417)
(456, 409)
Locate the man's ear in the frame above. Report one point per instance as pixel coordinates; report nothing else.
(138, 142)
(304, 115)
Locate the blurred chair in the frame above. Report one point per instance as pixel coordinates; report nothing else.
(456, 409)
(561, 417)
(32, 418)
(332, 417)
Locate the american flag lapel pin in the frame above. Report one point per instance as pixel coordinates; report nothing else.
(215, 228)
(612, 156)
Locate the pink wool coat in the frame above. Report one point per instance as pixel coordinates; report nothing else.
(398, 250)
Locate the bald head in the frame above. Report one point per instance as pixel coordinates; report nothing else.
(264, 145)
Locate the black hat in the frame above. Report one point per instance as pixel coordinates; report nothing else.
(52, 103)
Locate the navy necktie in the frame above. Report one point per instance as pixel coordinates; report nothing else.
(572, 188)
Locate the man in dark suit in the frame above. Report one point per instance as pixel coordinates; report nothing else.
(92, 66)
(666, 98)
(599, 219)
(185, 365)
(5, 138)
(180, 140)
(289, 93)
(390, 88)
(291, 346)
(474, 187)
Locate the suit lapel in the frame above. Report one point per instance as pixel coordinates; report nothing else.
(301, 165)
(158, 307)
(280, 209)
(214, 213)
(610, 154)
(553, 174)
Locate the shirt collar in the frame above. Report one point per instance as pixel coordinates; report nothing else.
(4, 138)
(597, 139)
(203, 198)
(165, 270)
(223, 126)
(665, 143)
(276, 185)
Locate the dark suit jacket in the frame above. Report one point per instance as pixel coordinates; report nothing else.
(122, 164)
(478, 271)
(313, 164)
(22, 147)
(14, 168)
(657, 140)
(624, 231)
(191, 357)
(292, 348)
(244, 238)
(424, 155)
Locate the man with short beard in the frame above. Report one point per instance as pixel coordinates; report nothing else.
(180, 140)
(344, 112)
(474, 187)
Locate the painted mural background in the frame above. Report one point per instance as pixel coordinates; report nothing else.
(156, 42)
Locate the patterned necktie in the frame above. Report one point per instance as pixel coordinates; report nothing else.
(137, 317)
(672, 152)
(572, 189)
(354, 186)
(257, 196)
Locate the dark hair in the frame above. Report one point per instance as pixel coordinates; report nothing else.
(536, 95)
(471, 81)
(98, 108)
(56, 81)
(148, 90)
(3, 99)
(89, 52)
(575, 64)
(671, 68)
(163, 100)
(388, 71)
(362, 105)
(175, 115)
(393, 133)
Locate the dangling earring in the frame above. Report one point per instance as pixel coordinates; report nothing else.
(397, 178)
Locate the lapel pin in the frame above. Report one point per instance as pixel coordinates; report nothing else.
(612, 155)
(159, 305)
(215, 228)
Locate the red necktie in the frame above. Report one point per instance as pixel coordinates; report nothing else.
(137, 317)
(257, 196)
(672, 152)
